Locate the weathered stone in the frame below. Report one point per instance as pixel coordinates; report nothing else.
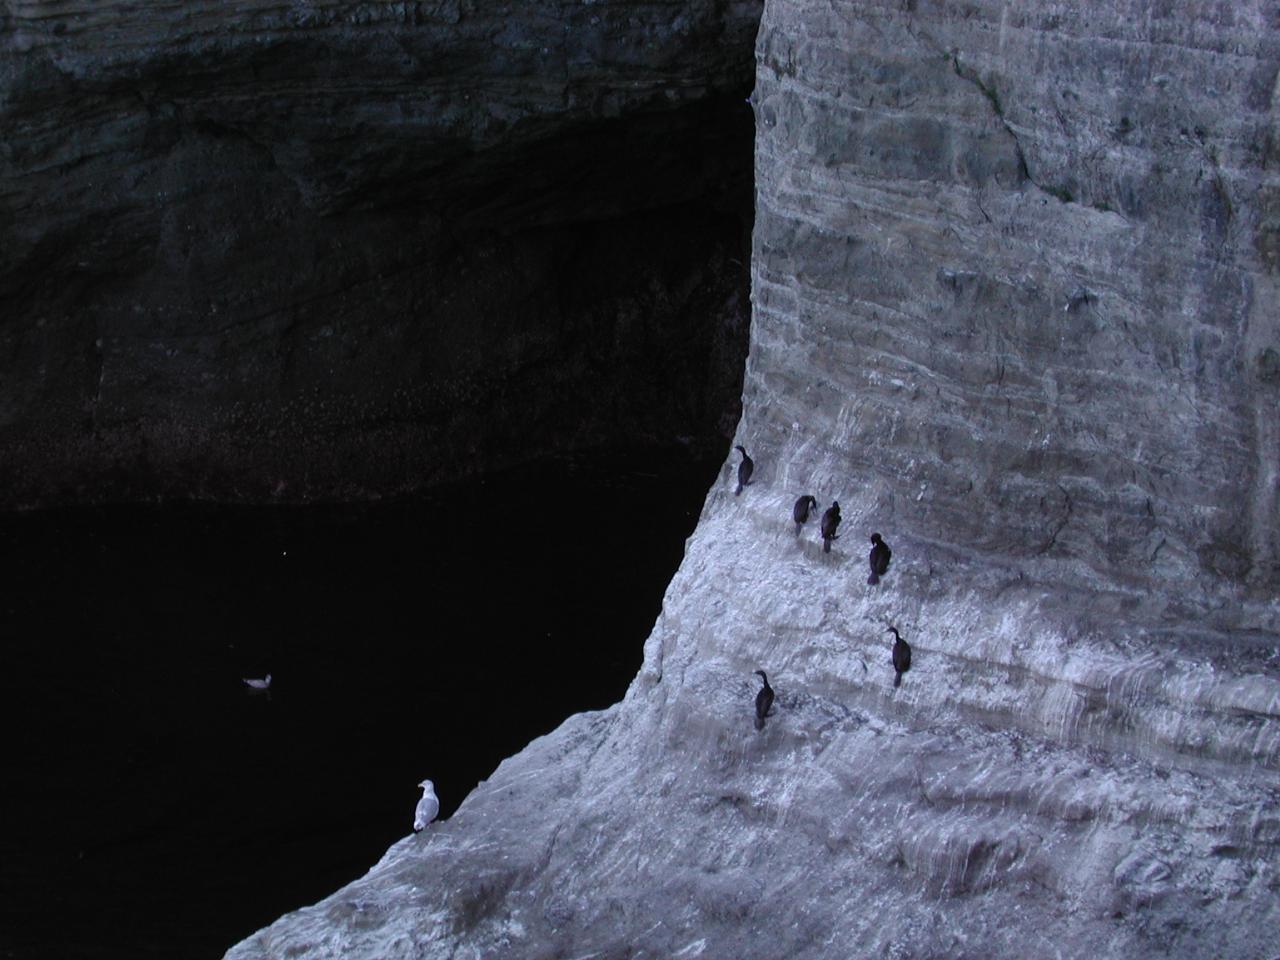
(1012, 310)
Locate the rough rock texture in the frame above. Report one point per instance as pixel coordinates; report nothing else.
(331, 249)
(1015, 307)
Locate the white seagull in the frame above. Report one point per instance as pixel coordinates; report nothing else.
(428, 806)
(262, 684)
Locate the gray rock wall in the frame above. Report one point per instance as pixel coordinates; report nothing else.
(281, 251)
(1044, 236)
(1014, 285)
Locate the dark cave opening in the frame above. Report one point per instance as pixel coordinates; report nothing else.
(587, 291)
(426, 449)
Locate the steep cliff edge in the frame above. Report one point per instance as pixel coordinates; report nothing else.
(1014, 281)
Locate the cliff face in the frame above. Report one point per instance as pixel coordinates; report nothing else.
(334, 249)
(1049, 237)
(1014, 280)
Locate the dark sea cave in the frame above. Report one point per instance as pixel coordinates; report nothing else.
(415, 424)
(156, 806)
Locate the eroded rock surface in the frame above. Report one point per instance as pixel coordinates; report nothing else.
(1015, 303)
(267, 251)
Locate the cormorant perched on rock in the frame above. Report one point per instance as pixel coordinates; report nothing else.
(428, 806)
(745, 469)
(800, 512)
(879, 559)
(764, 701)
(901, 656)
(830, 521)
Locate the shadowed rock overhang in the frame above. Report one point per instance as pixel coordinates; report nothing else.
(286, 252)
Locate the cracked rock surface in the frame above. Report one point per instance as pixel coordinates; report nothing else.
(1014, 285)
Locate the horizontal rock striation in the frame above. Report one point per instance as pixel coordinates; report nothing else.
(283, 251)
(1014, 281)
(1046, 236)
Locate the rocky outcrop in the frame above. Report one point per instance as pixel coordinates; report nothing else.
(332, 249)
(1014, 280)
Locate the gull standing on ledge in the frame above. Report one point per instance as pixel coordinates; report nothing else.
(764, 701)
(428, 806)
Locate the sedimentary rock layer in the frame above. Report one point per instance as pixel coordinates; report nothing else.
(288, 250)
(1014, 280)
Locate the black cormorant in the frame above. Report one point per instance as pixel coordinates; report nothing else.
(830, 521)
(764, 701)
(879, 559)
(800, 512)
(745, 469)
(901, 656)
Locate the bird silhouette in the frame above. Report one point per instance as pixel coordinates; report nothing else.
(901, 656)
(879, 558)
(830, 521)
(745, 469)
(764, 701)
(800, 512)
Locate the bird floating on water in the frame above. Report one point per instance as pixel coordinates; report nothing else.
(745, 469)
(427, 807)
(879, 558)
(263, 683)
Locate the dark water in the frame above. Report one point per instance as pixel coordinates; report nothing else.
(152, 805)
